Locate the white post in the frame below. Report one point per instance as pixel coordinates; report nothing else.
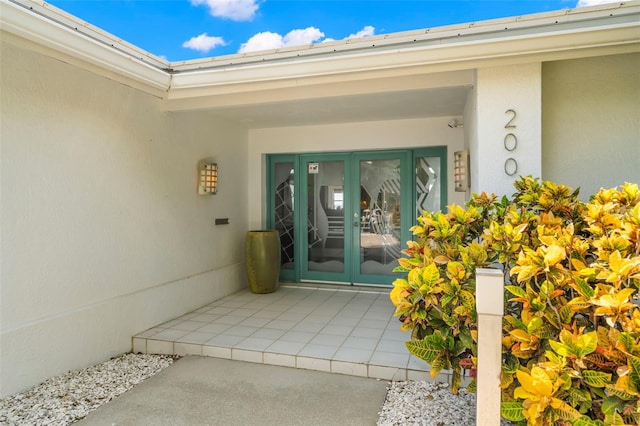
(490, 307)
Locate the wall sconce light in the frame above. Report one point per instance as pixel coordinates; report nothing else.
(207, 178)
(461, 170)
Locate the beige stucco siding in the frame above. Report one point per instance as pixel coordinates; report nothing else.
(591, 122)
(103, 233)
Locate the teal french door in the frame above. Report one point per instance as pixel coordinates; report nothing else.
(345, 217)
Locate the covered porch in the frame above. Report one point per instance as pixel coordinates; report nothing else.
(338, 329)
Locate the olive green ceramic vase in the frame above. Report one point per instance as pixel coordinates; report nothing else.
(262, 256)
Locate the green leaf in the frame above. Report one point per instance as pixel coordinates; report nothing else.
(512, 411)
(586, 421)
(635, 370)
(628, 341)
(423, 349)
(515, 290)
(587, 343)
(597, 379)
(611, 404)
(559, 348)
(584, 288)
(431, 275)
(566, 412)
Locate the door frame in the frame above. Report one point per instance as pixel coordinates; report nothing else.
(351, 161)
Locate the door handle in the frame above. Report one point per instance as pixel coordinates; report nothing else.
(356, 224)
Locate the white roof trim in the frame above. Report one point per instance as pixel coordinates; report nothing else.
(604, 29)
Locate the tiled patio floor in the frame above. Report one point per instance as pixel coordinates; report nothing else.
(348, 330)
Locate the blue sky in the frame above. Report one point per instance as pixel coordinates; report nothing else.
(189, 29)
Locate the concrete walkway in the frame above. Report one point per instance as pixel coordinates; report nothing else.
(210, 391)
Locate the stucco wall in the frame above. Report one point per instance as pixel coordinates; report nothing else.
(591, 122)
(103, 233)
(390, 134)
(507, 139)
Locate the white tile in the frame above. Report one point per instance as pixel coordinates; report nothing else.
(371, 333)
(353, 355)
(360, 343)
(229, 319)
(418, 364)
(418, 376)
(241, 330)
(387, 373)
(139, 345)
(216, 352)
(292, 316)
(169, 324)
(268, 333)
(288, 348)
(328, 339)
(224, 341)
(390, 359)
(266, 314)
(401, 336)
(349, 368)
(196, 337)
(150, 332)
(308, 327)
(279, 359)
(214, 328)
(254, 344)
(341, 330)
(188, 325)
(246, 355)
(255, 322)
(170, 334)
(318, 351)
(395, 346)
(187, 349)
(205, 317)
(219, 310)
(297, 336)
(244, 312)
(281, 324)
(159, 347)
(313, 364)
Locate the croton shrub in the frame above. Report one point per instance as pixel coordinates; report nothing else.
(571, 329)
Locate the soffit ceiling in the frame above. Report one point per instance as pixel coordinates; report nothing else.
(436, 102)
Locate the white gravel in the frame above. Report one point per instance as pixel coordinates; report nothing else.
(65, 399)
(427, 404)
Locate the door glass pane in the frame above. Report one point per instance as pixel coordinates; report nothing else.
(325, 216)
(428, 184)
(285, 189)
(379, 216)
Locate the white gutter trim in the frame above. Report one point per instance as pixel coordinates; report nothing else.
(616, 27)
(534, 24)
(86, 43)
(459, 55)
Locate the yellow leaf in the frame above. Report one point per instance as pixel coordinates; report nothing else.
(537, 383)
(553, 255)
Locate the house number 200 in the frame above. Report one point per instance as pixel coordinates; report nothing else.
(510, 144)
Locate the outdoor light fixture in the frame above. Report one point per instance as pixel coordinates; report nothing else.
(453, 123)
(207, 178)
(461, 170)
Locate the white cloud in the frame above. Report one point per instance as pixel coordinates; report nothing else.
(203, 43)
(365, 32)
(582, 3)
(300, 37)
(268, 40)
(236, 10)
